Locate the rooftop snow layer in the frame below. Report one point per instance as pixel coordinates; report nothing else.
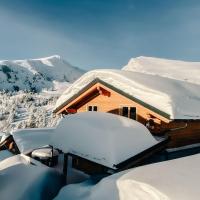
(177, 98)
(175, 69)
(103, 138)
(171, 180)
(33, 138)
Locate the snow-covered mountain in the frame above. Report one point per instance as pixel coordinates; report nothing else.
(173, 69)
(36, 74)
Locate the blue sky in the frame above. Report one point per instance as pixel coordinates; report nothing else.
(100, 33)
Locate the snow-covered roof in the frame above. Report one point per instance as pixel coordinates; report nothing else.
(174, 69)
(164, 85)
(103, 138)
(33, 138)
(171, 180)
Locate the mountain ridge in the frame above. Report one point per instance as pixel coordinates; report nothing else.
(36, 74)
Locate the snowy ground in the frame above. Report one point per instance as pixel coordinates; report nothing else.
(21, 180)
(171, 180)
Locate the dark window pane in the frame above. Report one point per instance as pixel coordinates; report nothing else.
(133, 112)
(125, 111)
(89, 108)
(95, 108)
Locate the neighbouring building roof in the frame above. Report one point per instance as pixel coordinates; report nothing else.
(103, 138)
(175, 99)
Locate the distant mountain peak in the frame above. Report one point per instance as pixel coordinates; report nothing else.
(48, 57)
(36, 74)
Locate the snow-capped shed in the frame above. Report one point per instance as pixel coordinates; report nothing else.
(162, 94)
(105, 139)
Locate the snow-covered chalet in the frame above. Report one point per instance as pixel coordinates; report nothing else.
(161, 94)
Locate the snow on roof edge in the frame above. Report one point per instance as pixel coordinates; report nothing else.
(98, 80)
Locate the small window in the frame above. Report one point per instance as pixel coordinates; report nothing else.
(133, 112)
(125, 111)
(92, 108)
(89, 108)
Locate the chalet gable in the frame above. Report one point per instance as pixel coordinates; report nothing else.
(99, 87)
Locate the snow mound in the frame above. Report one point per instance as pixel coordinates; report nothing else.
(29, 182)
(179, 99)
(36, 74)
(103, 138)
(5, 154)
(175, 69)
(169, 180)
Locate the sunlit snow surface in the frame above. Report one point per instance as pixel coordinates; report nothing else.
(160, 83)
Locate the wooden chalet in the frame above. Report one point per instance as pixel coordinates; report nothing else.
(101, 96)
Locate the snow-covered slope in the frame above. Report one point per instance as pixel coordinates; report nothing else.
(36, 74)
(179, 99)
(175, 69)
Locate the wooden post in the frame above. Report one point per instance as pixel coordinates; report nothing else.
(65, 165)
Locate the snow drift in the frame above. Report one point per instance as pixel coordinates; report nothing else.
(169, 180)
(103, 138)
(29, 182)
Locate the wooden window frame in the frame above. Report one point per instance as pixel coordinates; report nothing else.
(129, 108)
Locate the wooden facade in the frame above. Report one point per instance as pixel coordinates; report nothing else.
(100, 96)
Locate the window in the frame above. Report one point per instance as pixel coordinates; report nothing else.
(125, 111)
(133, 113)
(92, 108)
(129, 112)
(89, 108)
